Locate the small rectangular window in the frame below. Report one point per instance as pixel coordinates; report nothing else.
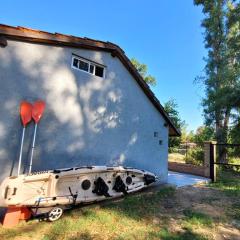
(88, 66)
(83, 65)
(91, 69)
(75, 62)
(99, 71)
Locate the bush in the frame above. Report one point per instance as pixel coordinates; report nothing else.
(172, 150)
(195, 156)
(235, 161)
(177, 150)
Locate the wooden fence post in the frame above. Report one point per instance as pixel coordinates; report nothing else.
(209, 159)
(212, 161)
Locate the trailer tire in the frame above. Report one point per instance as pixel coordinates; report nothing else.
(55, 214)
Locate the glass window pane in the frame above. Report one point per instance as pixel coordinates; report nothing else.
(99, 71)
(83, 66)
(75, 62)
(91, 69)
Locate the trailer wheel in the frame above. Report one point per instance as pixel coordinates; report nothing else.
(55, 214)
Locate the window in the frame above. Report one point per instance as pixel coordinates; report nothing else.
(99, 71)
(75, 62)
(88, 66)
(83, 65)
(91, 69)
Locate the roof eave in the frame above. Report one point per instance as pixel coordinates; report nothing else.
(56, 39)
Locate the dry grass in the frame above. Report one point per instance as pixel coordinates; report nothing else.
(176, 157)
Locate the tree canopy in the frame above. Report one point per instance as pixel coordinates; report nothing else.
(143, 71)
(171, 108)
(222, 70)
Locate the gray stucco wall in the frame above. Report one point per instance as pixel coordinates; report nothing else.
(88, 120)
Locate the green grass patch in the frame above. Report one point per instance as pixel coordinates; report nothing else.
(166, 192)
(140, 206)
(125, 219)
(234, 211)
(228, 181)
(194, 219)
(139, 216)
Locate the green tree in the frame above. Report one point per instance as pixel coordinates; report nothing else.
(171, 108)
(204, 133)
(190, 136)
(221, 77)
(234, 135)
(233, 52)
(143, 71)
(215, 75)
(233, 41)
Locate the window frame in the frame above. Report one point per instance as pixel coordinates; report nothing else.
(89, 62)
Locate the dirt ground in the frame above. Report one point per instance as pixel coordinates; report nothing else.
(212, 203)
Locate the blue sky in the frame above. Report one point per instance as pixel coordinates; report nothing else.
(165, 35)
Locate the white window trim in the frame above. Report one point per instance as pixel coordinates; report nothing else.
(89, 63)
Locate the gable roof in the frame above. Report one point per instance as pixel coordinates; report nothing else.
(58, 39)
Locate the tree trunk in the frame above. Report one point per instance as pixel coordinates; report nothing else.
(222, 130)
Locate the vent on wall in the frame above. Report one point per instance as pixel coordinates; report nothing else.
(156, 135)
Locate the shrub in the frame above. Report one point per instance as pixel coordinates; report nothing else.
(235, 161)
(195, 156)
(173, 150)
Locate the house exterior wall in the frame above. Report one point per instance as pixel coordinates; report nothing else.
(88, 120)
